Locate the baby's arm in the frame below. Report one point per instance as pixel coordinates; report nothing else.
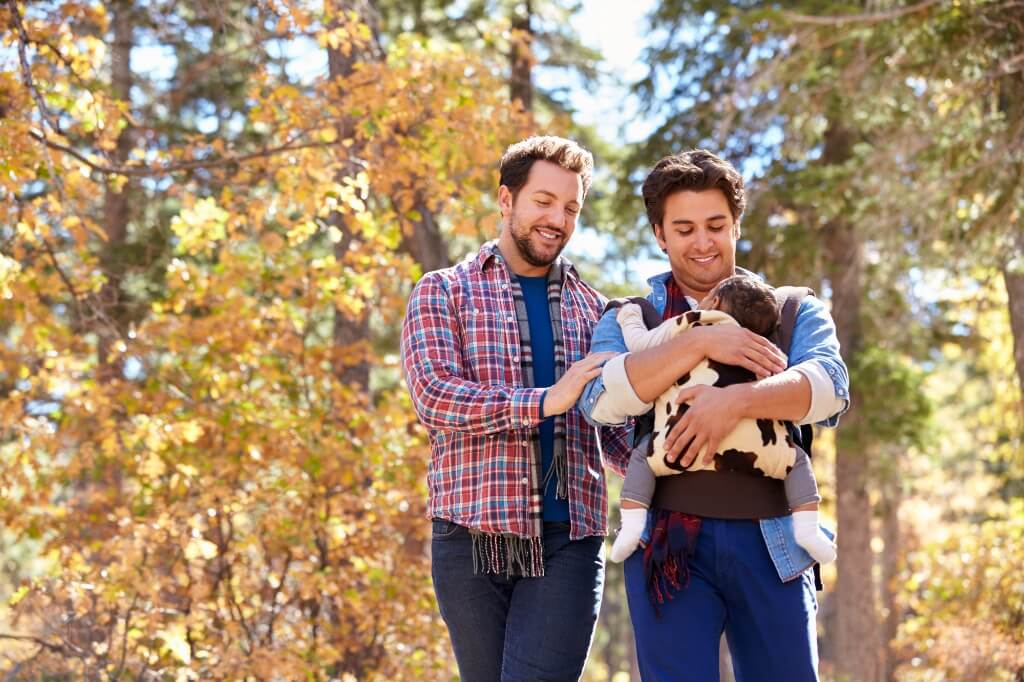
(636, 334)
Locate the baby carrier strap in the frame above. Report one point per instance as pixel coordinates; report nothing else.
(652, 318)
(789, 299)
(644, 424)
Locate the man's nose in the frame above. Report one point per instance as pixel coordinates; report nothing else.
(702, 240)
(556, 216)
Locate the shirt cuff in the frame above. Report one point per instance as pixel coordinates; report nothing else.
(824, 401)
(618, 401)
(526, 407)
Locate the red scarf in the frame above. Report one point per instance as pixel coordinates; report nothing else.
(674, 535)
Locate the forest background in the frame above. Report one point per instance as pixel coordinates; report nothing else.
(211, 215)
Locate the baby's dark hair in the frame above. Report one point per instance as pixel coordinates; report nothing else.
(750, 301)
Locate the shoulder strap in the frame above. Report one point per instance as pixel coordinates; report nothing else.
(651, 316)
(789, 299)
(643, 424)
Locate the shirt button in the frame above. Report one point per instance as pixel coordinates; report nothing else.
(504, 286)
(515, 358)
(525, 480)
(526, 442)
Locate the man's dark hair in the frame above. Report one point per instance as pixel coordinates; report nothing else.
(519, 159)
(750, 301)
(696, 170)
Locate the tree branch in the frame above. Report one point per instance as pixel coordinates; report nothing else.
(26, 70)
(868, 18)
(166, 169)
(56, 648)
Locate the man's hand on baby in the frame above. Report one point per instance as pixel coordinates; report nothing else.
(566, 391)
(713, 413)
(732, 345)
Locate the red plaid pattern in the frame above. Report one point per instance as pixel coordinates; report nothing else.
(460, 356)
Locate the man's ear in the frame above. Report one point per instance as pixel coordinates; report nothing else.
(659, 235)
(505, 200)
(736, 231)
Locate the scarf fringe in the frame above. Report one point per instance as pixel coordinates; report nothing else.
(510, 555)
(560, 470)
(666, 566)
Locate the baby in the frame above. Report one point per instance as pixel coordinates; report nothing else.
(760, 446)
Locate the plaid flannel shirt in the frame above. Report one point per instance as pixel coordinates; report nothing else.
(460, 356)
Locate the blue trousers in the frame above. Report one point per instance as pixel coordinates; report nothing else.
(733, 587)
(518, 629)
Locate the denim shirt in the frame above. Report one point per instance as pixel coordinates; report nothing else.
(814, 338)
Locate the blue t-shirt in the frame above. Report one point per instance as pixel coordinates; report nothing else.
(542, 342)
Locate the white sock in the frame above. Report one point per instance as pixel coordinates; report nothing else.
(633, 522)
(812, 538)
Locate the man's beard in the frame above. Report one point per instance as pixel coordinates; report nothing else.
(521, 237)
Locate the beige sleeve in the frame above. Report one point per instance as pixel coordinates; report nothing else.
(824, 401)
(636, 334)
(618, 401)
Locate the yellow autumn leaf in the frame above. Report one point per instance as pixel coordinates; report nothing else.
(18, 595)
(301, 232)
(152, 467)
(175, 639)
(188, 470)
(198, 548)
(190, 432)
(9, 269)
(200, 227)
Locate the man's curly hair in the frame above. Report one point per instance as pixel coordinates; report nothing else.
(696, 170)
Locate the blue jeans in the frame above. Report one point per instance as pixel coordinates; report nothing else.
(513, 629)
(735, 587)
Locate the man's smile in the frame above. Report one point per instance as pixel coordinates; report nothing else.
(548, 235)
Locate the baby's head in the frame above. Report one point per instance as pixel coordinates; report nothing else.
(750, 301)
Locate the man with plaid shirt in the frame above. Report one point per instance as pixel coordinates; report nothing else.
(493, 351)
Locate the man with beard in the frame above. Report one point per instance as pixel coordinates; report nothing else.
(493, 354)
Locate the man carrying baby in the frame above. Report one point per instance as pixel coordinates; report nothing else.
(761, 444)
(721, 554)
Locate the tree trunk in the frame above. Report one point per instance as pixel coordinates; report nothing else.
(425, 243)
(1013, 277)
(1011, 104)
(521, 56)
(351, 334)
(891, 560)
(116, 211)
(856, 644)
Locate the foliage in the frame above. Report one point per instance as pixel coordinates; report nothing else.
(188, 487)
(900, 420)
(965, 603)
(221, 505)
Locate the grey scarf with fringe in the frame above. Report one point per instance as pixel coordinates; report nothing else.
(513, 555)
